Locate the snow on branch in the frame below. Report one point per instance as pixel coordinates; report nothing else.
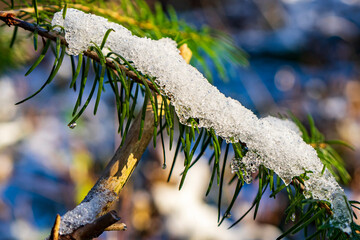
(270, 141)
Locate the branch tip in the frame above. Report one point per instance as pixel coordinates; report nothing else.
(117, 227)
(55, 229)
(7, 17)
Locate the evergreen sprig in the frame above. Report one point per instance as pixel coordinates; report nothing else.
(141, 20)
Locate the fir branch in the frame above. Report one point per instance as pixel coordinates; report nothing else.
(143, 21)
(10, 19)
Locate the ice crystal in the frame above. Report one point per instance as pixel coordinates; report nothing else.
(274, 143)
(246, 168)
(235, 164)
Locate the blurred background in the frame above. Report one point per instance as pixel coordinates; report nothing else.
(303, 57)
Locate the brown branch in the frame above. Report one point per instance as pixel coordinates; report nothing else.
(126, 157)
(115, 176)
(10, 19)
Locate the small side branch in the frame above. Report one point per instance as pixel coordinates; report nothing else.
(11, 20)
(55, 229)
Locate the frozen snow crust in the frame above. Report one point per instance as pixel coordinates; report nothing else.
(87, 211)
(272, 142)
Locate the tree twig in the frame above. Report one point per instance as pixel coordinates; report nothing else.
(55, 229)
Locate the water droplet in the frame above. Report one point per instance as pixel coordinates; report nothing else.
(72, 125)
(164, 166)
(228, 215)
(293, 217)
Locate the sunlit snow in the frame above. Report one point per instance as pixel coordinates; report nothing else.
(275, 144)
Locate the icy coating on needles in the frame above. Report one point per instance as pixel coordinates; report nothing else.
(272, 142)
